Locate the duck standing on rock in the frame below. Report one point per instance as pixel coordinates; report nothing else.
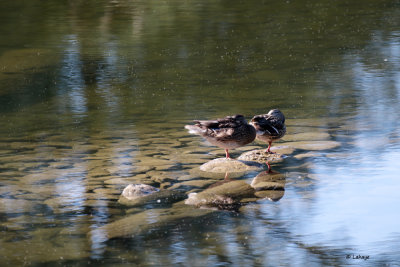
(227, 133)
(270, 127)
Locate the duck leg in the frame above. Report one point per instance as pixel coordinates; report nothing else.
(269, 148)
(226, 176)
(227, 154)
(269, 167)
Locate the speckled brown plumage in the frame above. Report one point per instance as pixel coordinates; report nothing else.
(270, 127)
(228, 133)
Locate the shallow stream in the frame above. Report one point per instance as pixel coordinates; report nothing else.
(95, 95)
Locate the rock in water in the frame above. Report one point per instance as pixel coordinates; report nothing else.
(269, 180)
(149, 221)
(157, 198)
(315, 145)
(261, 156)
(133, 191)
(223, 165)
(226, 194)
(307, 136)
(269, 185)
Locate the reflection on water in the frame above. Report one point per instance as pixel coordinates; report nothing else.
(269, 184)
(94, 96)
(72, 81)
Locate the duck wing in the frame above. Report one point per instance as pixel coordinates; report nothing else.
(221, 128)
(268, 124)
(227, 122)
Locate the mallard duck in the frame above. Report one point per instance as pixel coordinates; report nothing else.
(227, 133)
(270, 127)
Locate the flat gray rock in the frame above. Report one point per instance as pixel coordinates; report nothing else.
(261, 156)
(134, 191)
(223, 165)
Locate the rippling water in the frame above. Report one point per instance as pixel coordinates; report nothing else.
(94, 96)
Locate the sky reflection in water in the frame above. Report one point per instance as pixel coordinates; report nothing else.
(122, 90)
(357, 194)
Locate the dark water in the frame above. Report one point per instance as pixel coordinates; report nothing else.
(94, 96)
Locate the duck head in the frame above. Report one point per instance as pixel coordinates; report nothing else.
(277, 114)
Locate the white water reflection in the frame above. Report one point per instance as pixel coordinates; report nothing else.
(189, 63)
(356, 195)
(71, 79)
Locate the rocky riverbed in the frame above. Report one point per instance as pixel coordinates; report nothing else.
(49, 174)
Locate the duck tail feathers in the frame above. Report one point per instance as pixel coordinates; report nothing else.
(193, 129)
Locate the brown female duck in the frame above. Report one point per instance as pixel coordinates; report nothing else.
(270, 127)
(227, 133)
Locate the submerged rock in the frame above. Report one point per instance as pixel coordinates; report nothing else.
(262, 156)
(270, 185)
(315, 145)
(307, 155)
(197, 183)
(148, 221)
(269, 181)
(161, 176)
(307, 136)
(157, 197)
(285, 149)
(123, 181)
(225, 194)
(223, 165)
(15, 205)
(272, 195)
(198, 173)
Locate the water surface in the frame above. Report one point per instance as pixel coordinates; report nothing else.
(94, 96)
